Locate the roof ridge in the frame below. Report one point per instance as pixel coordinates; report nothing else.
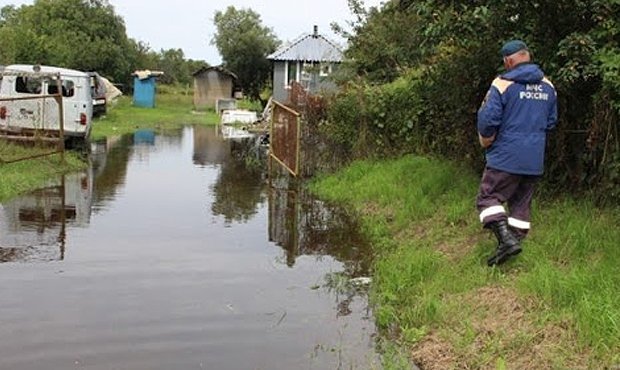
(288, 47)
(332, 43)
(219, 68)
(281, 54)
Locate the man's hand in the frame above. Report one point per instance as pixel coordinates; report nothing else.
(486, 142)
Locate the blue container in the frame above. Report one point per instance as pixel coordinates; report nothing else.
(144, 92)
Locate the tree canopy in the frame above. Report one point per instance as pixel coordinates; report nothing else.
(79, 34)
(418, 71)
(85, 35)
(244, 43)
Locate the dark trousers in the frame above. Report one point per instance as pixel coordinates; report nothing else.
(499, 188)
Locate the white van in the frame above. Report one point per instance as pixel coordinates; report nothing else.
(21, 115)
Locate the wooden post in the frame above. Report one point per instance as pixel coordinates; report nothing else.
(61, 122)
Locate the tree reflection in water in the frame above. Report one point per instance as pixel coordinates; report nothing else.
(239, 189)
(303, 225)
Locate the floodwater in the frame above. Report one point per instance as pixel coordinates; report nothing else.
(176, 252)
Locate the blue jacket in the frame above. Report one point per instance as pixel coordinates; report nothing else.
(520, 107)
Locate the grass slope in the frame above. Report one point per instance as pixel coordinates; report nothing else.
(555, 306)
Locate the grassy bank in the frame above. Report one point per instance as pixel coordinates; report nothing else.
(20, 177)
(555, 306)
(171, 110)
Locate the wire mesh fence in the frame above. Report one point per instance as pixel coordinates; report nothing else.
(285, 137)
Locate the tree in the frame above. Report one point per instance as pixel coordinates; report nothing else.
(7, 34)
(377, 46)
(80, 34)
(438, 56)
(177, 69)
(244, 43)
(173, 63)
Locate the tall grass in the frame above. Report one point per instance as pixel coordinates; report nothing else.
(575, 268)
(430, 269)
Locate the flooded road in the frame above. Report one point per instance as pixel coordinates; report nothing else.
(174, 252)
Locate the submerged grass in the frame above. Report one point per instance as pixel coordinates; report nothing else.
(555, 306)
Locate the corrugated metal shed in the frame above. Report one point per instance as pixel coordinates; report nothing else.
(309, 48)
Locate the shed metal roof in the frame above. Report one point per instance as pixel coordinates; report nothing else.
(220, 69)
(309, 48)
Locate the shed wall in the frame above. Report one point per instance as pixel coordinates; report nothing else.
(315, 84)
(210, 86)
(280, 93)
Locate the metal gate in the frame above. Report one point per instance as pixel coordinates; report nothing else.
(285, 137)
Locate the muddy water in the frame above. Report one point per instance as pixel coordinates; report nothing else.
(174, 252)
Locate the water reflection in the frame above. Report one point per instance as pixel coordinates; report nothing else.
(109, 159)
(33, 226)
(298, 223)
(190, 256)
(209, 150)
(304, 225)
(239, 188)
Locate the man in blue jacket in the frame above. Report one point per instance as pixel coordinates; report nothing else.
(516, 114)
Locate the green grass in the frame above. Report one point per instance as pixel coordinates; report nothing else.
(171, 110)
(20, 177)
(555, 306)
(575, 268)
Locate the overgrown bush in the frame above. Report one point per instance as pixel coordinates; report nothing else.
(424, 94)
(374, 120)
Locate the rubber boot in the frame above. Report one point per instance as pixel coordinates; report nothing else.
(518, 233)
(508, 244)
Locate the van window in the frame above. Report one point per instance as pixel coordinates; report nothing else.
(68, 88)
(52, 89)
(28, 85)
(93, 85)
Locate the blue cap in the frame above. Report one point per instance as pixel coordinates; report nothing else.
(512, 47)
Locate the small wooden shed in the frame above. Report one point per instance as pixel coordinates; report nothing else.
(211, 84)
